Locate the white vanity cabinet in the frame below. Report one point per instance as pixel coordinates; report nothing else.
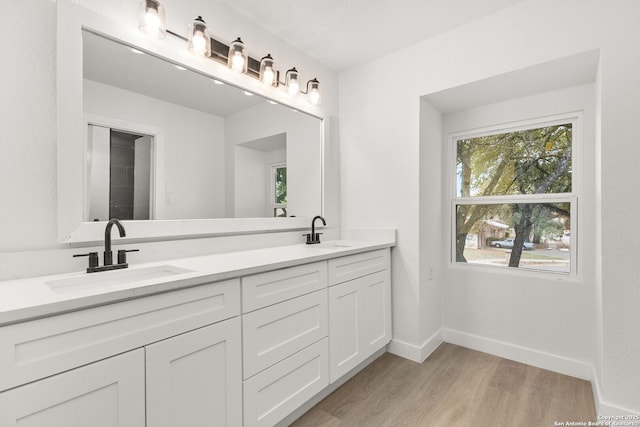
(285, 348)
(249, 351)
(169, 359)
(359, 309)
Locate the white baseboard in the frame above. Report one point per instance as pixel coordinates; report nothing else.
(551, 362)
(414, 352)
(605, 408)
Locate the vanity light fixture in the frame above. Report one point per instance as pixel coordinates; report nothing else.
(237, 56)
(291, 81)
(268, 71)
(152, 18)
(199, 41)
(313, 90)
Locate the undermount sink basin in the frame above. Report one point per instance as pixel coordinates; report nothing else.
(331, 245)
(106, 278)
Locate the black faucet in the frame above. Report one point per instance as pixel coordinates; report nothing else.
(108, 254)
(313, 237)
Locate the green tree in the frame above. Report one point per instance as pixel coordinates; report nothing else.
(532, 161)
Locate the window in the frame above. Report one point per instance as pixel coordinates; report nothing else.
(279, 190)
(514, 203)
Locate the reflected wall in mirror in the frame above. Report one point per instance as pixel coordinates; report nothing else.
(198, 148)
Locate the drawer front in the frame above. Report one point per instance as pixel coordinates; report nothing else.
(354, 266)
(272, 287)
(39, 348)
(276, 392)
(276, 332)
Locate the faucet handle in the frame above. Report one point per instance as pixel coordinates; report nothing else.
(93, 258)
(312, 239)
(122, 255)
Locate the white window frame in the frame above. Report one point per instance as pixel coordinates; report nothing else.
(575, 118)
(272, 186)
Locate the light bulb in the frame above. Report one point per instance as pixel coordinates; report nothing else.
(152, 22)
(152, 18)
(267, 76)
(314, 96)
(237, 62)
(293, 88)
(313, 87)
(199, 43)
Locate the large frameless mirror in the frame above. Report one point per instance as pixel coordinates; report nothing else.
(147, 136)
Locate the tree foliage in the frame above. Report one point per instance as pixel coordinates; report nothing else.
(281, 185)
(531, 161)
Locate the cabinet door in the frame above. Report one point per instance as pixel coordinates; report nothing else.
(345, 305)
(194, 379)
(359, 321)
(109, 393)
(376, 311)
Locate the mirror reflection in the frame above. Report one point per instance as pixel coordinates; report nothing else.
(163, 142)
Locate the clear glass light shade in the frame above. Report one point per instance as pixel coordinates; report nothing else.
(152, 18)
(292, 81)
(314, 91)
(237, 58)
(268, 70)
(199, 38)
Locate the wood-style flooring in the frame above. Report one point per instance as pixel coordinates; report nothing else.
(454, 387)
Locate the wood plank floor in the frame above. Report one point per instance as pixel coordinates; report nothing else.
(454, 387)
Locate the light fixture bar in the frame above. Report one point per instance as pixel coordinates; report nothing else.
(220, 53)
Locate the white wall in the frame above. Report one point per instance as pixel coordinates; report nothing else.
(527, 313)
(304, 152)
(194, 166)
(381, 145)
(28, 166)
(252, 181)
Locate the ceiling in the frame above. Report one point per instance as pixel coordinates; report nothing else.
(345, 33)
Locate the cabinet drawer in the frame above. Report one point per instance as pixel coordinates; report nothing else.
(42, 347)
(276, 332)
(272, 287)
(276, 392)
(354, 266)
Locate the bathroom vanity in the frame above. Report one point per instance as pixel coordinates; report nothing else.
(243, 338)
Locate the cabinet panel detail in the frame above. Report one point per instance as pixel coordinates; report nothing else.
(261, 290)
(108, 393)
(276, 332)
(279, 390)
(42, 347)
(195, 379)
(354, 266)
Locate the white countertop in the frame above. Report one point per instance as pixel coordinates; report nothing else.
(32, 298)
